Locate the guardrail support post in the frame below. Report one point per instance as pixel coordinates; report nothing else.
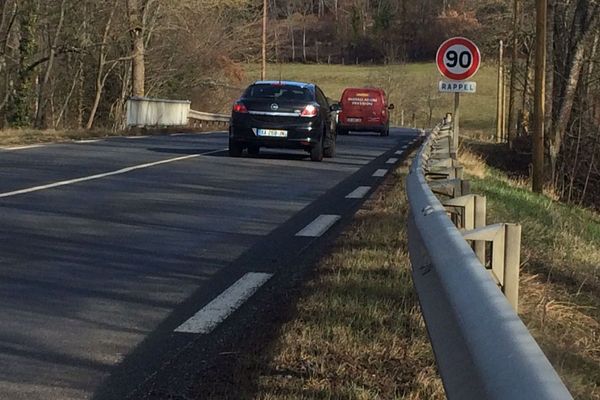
(506, 255)
(512, 259)
(480, 222)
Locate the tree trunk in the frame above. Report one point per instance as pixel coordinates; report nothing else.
(566, 104)
(100, 74)
(304, 42)
(22, 91)
(512, 106)
(136, 32)
(40, 119)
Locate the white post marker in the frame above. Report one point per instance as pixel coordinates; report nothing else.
(458, 59)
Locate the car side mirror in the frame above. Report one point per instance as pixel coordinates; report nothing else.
(391, 107)
(335, 107)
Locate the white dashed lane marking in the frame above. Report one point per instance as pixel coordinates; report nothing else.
(104, 175)
(215, 312)
(359, 192)
(392, 160)
(380, 173)
(319, 226)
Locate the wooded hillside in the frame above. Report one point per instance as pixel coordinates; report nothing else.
(68, 63)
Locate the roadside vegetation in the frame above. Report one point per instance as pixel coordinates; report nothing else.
(411, 87)
(357, 332)
(560, 272)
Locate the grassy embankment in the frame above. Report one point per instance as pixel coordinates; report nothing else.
(411, 87)
(560, 273)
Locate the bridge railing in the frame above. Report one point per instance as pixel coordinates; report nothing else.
(482, 348)
(150, 112)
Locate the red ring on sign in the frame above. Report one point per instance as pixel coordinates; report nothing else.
(442, 52)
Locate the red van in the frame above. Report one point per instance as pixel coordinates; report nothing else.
(364, 109)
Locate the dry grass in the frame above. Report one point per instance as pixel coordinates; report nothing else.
(560, 273)
(358, 332)
(13, 137)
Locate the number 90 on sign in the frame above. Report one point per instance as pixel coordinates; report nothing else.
(458, 59)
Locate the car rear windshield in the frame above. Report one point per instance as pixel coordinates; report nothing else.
(278, 92)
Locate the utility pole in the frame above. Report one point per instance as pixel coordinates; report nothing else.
(500, 94)
(263, 71)
(512, 101)
(539, 96)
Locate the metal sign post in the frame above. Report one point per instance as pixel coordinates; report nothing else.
(455, 126)
(457, 59)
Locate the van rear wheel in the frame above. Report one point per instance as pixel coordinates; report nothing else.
(329, 151)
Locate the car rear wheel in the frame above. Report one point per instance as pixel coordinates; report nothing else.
(385, 132)
(316, 152)
(235, 148)
(342, 131)
(253, 149)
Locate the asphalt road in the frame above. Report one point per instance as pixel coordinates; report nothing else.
(108, 247)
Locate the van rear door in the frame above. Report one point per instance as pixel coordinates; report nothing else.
(362, 106)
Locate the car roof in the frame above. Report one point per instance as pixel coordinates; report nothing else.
(287, 83)
(366, 89)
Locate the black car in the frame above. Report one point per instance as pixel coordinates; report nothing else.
(283, 114)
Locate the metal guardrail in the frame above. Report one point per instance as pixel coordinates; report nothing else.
(482, 348)
(210, 117)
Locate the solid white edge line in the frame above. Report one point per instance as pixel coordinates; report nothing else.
(104, 175)
(319, 226)
(380, 173)
(392, 160)
(136, 137)
(222, 306)
(359, 192)
(88, 140)
(29, 146)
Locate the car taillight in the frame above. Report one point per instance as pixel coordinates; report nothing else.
(240, 108)
(309, 111)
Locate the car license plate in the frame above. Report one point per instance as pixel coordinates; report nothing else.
(354, 119)
(271, 132)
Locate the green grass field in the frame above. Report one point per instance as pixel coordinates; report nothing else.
(412, 87)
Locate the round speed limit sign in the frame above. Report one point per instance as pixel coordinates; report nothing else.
(458, 59)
